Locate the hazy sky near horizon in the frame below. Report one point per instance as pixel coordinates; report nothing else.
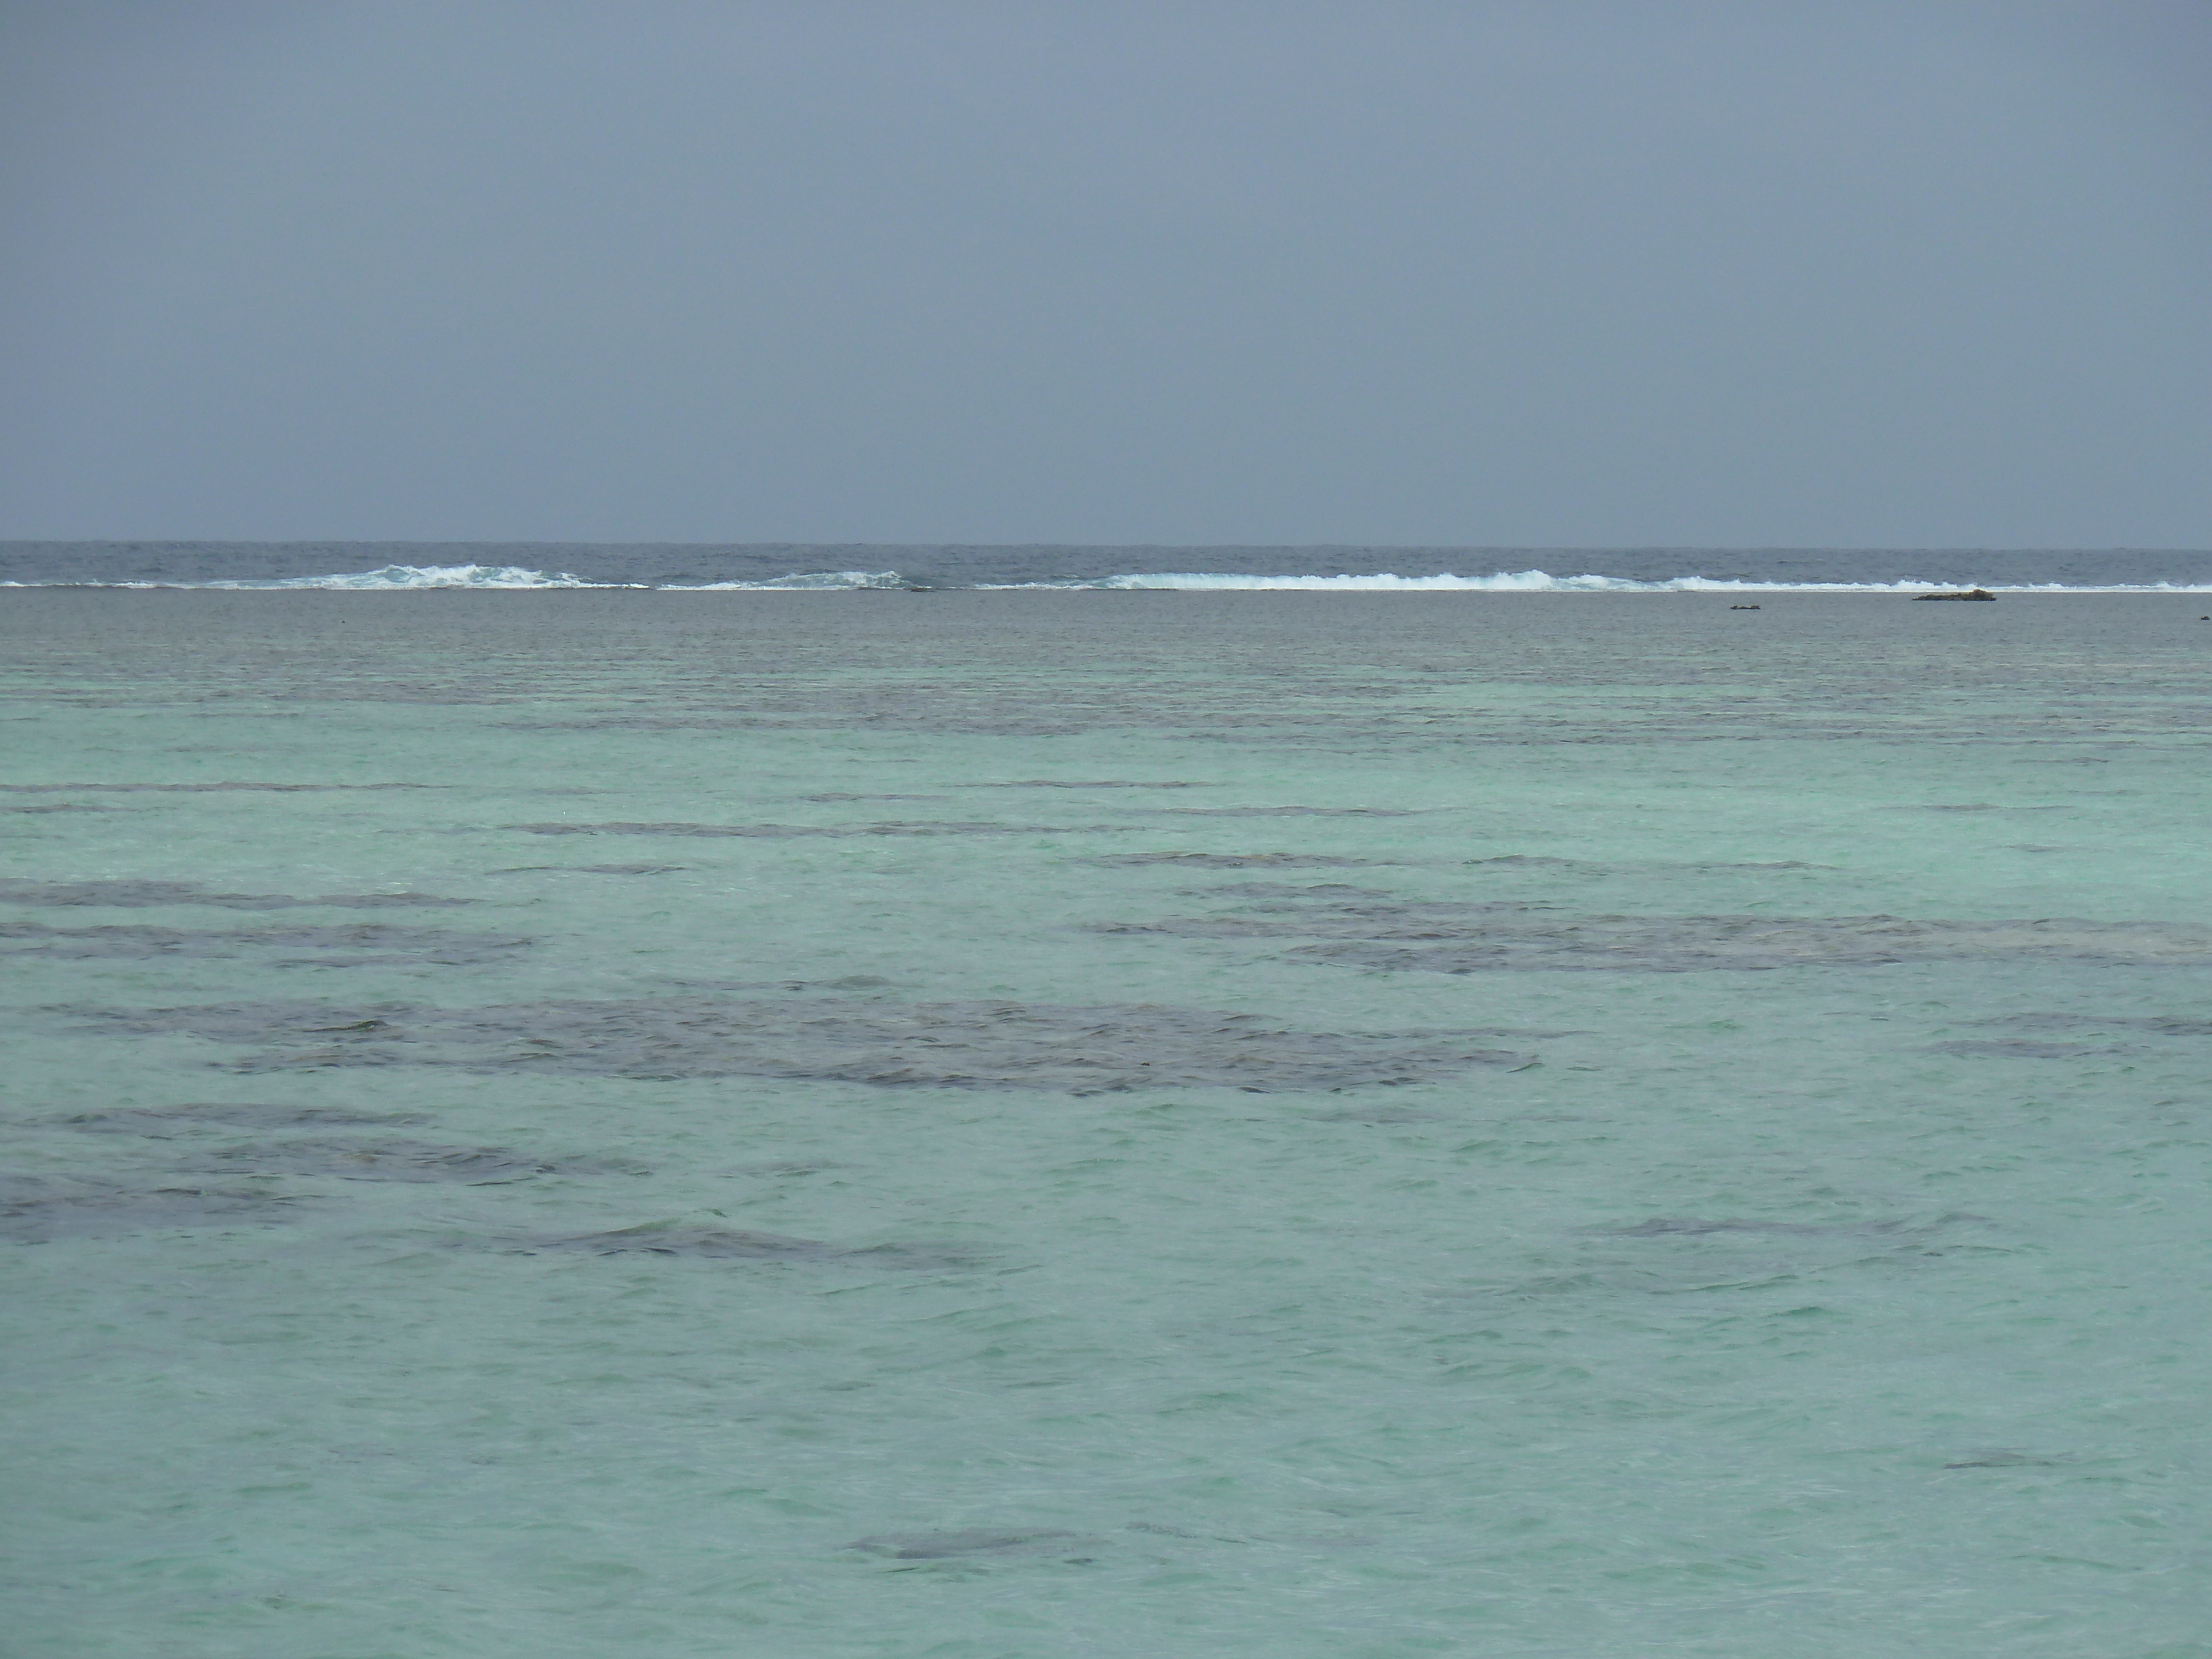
(1556, 273)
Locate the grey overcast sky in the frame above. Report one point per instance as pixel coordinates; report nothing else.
(1565, 272)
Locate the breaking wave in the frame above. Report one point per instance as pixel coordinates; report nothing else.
(400, 578)
(1542, 582)
(397, 578)
(391, 578)
(813, 582)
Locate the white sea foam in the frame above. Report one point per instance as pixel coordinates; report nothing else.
(398, 578)
(1541, 581)
(405, 576)
(394, 578)
(391, 578)
(811, 581)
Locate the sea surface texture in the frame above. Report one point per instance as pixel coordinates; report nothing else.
(1105, 1125)
(377, 566)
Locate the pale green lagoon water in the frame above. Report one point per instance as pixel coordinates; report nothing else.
(1521, 1205)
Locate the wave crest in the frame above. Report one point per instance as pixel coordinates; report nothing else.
(407, 576)
(391, 578)
(397, 578)
(1541, 581)
(809, 581)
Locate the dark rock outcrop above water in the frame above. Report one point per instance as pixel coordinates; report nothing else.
(1965, 593)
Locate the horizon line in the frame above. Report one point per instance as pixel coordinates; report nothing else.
(1226, 547)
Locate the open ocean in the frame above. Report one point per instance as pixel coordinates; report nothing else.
(1545, 1112)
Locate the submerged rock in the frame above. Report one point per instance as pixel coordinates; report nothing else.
(141, 895)
(832, 831)
(658, 1238)
(942, 1545)
(2017, 1048)
(1232, 860)
(739, 1244)
(593, 869)
(429, 946)
(207, 788)
(35, 1210)
(1285, 811)
(2003, 1457)
(399, 1160)
(2157, 1024)
(163, 1122)
(1078, 1049)
(1461, 936)
(1380, 1115)
(1670, 1227)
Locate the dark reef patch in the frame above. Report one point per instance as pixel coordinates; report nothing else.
(2002, 1457)
(1465, 938)
(2156, 1024)
(1676, 1255)
(1539, 862)
(1379, 1114)
(139, 895)
(201, 788)
(593, 869)
(2017, 1048)
(738, 1244)
(1234, 860)
(968, 1543)
(1284, 811)
(1336, 891)
(1081, 1050)
(1675, 1226)
(164, 1122)
(399, 1160)
(36, 1210)
(790, 832)
(388, 944)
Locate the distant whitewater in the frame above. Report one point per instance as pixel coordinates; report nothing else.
(343, 567)
(401, 578)
(404, 578)
(1542, 582)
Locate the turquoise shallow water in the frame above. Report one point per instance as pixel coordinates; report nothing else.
(1106, 1124)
